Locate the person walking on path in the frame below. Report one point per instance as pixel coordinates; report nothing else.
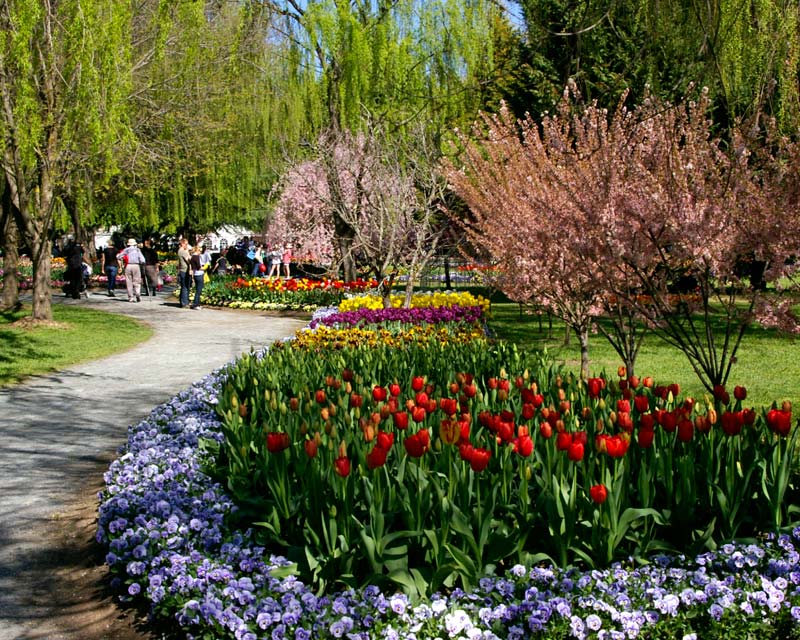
(133, 259)
(286, 259)
(150, 267)
(184, 272)
(73, 254)
(196, 267)
(109, 264)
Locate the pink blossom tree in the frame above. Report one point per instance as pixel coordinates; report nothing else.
(385, 192)
(641, 215)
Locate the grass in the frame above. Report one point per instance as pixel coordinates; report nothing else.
(86, 335)
(767, 363)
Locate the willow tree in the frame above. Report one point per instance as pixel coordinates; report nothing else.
(62, 85)
(195, 107)
(398, 60)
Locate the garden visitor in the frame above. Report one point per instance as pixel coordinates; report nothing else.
(134, 261)
(73, 254)
(286, 259)
(109, 266)
(150, 267)
(274, 261)
(221, 265)
(184, 273)
(259, 256)
(205, 263)
(196, 267)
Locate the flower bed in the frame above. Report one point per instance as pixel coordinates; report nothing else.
(358, 483)
(163, 520)
(299, 294)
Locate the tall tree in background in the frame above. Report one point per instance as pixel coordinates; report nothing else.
(62, 79)
(746, 51)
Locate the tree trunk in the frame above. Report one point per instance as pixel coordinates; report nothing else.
(583, 337)
(42, 296)
(10, 295)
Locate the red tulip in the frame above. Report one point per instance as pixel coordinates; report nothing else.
(491, 383)
(356, 400)
(668, 420)
(625, 422)
(721, 395)
(599, 493)
(347, 375)
(342, 466)
(418, 414)
(470, 390)
(376, 458)
(465, 451)
(421, 399)
(616, 447)
(417, 383)
(311, 448)
(417, 444)
(674, 389)
(685, 430)
(320, 397)
(642, 403)
(384, 440)
(400, 419)
(623, 406)
(779, 421)
(595, 386)
(575, 452)
(528, 411)
(479, 459)
(645, 438)
(448, 405)
(503, 384)
(646, 421)
(277, 441)
(394, 389)
(563, 441)
(546, 430)
(732, 422)
(748, 417)
(524, 446)
(740, 393)
(378, 393)
(538, 400)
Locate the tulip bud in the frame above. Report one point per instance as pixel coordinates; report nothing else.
(711, 415)
(786, 406)
(324, 413)
(622, 372)
(243, 409)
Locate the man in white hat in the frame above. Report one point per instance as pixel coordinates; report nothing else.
(132, 257)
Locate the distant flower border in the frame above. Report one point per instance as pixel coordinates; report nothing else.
(163, 521)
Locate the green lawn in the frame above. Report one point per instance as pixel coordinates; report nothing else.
(88, 335)
(768, 364)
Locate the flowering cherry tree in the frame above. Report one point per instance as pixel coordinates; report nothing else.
(382, 192)
(642, 216)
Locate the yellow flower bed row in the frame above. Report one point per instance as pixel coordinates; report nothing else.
(332, 338)
(418, 300)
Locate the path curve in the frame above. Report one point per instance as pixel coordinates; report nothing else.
(59, 432)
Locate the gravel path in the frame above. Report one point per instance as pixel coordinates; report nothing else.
(59, 432)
